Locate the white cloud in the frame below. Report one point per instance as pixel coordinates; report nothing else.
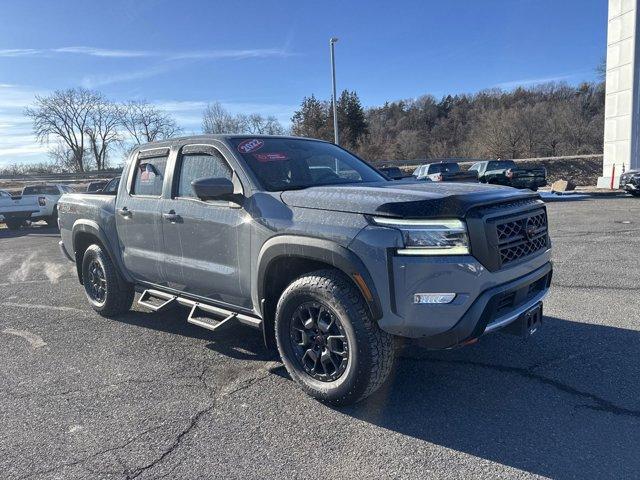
(17, 142)
(104, 52)
(19, 52)
(167, 55)
(528, 82)
(99, 80)
(233, 54)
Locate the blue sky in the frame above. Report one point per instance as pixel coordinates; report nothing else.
(265, 56)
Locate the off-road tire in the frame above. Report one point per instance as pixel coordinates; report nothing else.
(119, 294)
(371, 350)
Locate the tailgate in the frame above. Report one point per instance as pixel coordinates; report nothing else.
(460, 177)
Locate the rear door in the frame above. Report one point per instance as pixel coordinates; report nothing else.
(202, 238)
(138, 216)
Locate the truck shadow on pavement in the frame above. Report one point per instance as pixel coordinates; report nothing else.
(564, 405)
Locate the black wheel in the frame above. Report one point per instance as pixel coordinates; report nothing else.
(327, 340)
(52, 221)
(13, 224)
(107, 294)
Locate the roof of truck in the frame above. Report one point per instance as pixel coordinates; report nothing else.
(217, 136)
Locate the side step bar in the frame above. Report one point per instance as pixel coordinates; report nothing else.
(202, 314)
(147, 295)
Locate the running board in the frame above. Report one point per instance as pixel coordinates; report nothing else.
(202, 314)
(147, 295)
(198, 316)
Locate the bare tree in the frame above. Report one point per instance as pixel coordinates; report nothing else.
(216, 119)
(64, 115)
(146, 123)
(103, 130)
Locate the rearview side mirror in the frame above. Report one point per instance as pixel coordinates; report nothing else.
(213, 188)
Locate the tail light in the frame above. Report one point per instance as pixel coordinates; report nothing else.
(509, 173)
(42, 201)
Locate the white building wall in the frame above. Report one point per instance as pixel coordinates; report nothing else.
(622, 104)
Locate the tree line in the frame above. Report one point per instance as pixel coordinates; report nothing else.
(84, 129)
(544, 120)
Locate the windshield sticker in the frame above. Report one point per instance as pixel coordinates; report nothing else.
(270, 157)
(250, 145)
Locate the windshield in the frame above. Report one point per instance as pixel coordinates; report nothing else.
(501, 165)
(288, 163)
(444, 168)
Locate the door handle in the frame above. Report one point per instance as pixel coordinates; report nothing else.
(124, 211)
(171, 216)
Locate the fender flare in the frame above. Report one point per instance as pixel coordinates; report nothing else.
(321, 250)
(92, 228)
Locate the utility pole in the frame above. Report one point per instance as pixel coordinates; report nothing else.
(332, 42)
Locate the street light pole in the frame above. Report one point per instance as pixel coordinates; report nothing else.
(332, 42)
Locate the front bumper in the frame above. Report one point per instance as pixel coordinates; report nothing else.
(495, 309)
(485, 300)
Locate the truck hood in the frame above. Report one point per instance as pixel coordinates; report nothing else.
(403, 200)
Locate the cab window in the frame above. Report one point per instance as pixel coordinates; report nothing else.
(149, 176)
(199, 164)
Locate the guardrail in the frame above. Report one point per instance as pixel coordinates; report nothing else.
(68, 176)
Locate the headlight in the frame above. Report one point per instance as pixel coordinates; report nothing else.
(430, 237)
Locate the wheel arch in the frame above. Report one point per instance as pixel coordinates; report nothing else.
(87, 232)
(285, 257)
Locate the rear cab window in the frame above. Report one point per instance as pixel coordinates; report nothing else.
(444, 168)
(40, 190)
(149, 174)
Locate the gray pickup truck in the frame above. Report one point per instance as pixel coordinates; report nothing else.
(301, 239)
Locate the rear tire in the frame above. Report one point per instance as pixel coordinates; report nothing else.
(13, 224)
(52, 221)
(107, 293)
(326, 305)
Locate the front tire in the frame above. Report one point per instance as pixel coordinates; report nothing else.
(107, 294)
(327, 340)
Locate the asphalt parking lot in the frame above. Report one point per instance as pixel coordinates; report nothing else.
(150, 396)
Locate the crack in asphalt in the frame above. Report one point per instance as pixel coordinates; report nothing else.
(602, 404)
(80, 461)
(193, 423)
(131, 473)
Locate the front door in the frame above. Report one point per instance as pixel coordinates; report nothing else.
(138, 217)
(201, 238)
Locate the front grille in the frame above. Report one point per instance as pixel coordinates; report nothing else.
(503, 234)
(521, 237)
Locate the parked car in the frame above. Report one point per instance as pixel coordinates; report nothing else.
(507, 172)
(49, 195)
(96, 186)
(111, 187)
(16, 210)
(333, 268)
(394, 173)
(445, 172)
(630, 182)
